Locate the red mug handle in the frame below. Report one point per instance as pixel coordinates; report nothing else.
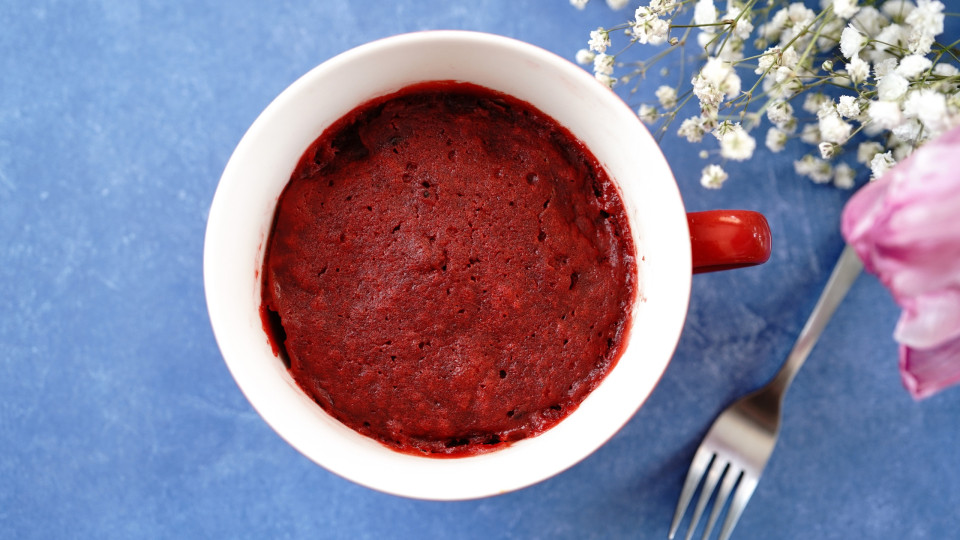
(725, 239)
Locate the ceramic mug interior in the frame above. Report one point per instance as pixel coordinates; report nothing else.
(242, 212)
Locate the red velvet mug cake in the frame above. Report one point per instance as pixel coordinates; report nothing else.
(449, 270)
(525, 276)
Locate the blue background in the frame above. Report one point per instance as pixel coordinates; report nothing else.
(118, 417)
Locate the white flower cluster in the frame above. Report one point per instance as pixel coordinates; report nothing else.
(867, 69)
(891, 88)
(647, 27)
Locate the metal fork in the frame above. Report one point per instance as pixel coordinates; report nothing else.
(739, 444)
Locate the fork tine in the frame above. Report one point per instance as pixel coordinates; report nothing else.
(739, 502)
(729, 480)
(717, 470)
(701, 460)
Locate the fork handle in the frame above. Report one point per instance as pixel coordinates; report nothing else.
(841, 279)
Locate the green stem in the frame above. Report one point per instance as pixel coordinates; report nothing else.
(724, 22)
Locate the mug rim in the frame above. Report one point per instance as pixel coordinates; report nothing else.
(269, 392)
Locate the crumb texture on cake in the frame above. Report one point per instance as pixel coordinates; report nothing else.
(451, 269)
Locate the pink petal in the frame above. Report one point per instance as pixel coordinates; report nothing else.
(860, 217)
(927, 371)
(905, 227)
(930, 320)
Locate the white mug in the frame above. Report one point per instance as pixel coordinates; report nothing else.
(242, 212)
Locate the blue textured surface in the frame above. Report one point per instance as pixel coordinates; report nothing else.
(118, 418)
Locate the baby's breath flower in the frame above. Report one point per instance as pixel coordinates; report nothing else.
(713, 177)
(827, 108)
(920, 41)
(848, 107)
(814, 168)
(599, 40)
(723, 128)
(704, 12)
(926, 22)
(742, 27)
(913, 65)
(953, 106)
(844, 176)
(703, 154)
(928, 106)
(828, 150)
(885, 114)
(776, 140)
(784, 73)
(647, 27)
(770, 31)
(603, 64)
(851, 42)
(709, 116)
(736, 143)
(705, 37)
(828, 32)
(648, 114)
(892, 87)
(869, 20)
(902, 151)
(858, 69)
(605, 79)
(833, 129)
(798, 18)
(776, 57)
(780, 113)
(617, 4)
(716, 80)
(928, 13)
(767, 60)
(663, 7)
(810, 134)
(945, 70)
(731, 51)
(845, 8)
(667, 96)
(814, 102)
(908, 130)
(789, 58)
(821, 172)
(692, 129)
(866, 151)
(884, 67)
(894, 36)
(585, 57)
(579, 4)
(897, 9)
(881, 163)
(875, 60)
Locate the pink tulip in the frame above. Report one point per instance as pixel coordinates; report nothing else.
(905, 226)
